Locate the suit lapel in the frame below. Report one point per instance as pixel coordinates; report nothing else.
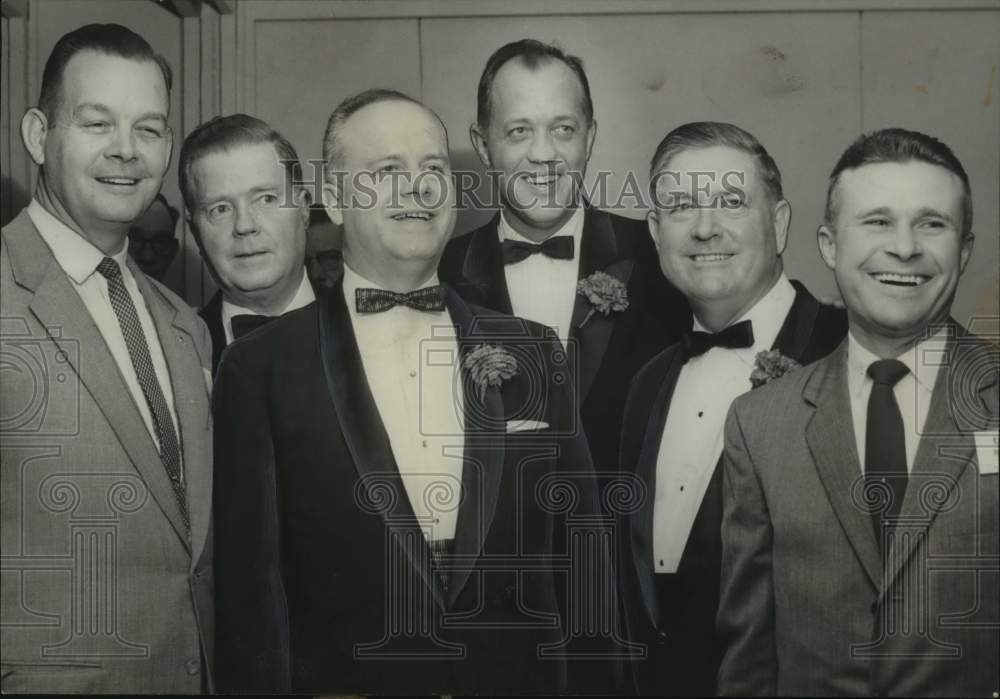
(61, 311)
(641, 529)
(830, 436)
(483, 277)
(482, 469)
(191, 402)
(364, 433)
(945, 450)
(212, 315)
(598, 252)
(797, 331)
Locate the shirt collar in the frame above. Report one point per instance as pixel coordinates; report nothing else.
(573, 227)
(767, 315)
(303, 297)
(924, 360)
(77, 256)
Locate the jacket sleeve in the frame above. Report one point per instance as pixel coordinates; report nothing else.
(252, 635)
(745, 621)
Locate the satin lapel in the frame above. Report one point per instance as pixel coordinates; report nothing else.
(68, 322)
(830, 436)
(191, 401)
(797, 330)
(364, 432)
(482, 471)
(598, 252)
(641, 528)
(482, 272)
(944, 452)
(212, 315)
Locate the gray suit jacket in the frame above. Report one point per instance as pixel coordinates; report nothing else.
(807, 607)
(103, 590)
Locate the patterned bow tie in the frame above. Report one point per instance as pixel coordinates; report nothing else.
(246, 322)
(559, 247)
(735, 336)
(430, 298)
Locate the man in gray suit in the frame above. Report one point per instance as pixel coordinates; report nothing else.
(105, 477)
(860, 493)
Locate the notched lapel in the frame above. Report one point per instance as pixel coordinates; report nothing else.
(830, 436)
(483, 277)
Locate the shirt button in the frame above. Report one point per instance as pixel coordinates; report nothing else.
(700, 413)
(193, 667)
(424, 443)
(413, 374)
(682, 488)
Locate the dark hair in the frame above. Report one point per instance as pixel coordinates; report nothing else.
(108, 39)
(347, 108)
(532, 54)
(705, 134)
(226, 133)
(899, 146)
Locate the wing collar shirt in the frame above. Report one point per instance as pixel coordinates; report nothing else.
(303, 297)
(79, 259)
(543, 289)
(691, 443)
(411, 362)
(913, 391)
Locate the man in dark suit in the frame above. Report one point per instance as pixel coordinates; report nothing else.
(241, 182)
(106, 472)
(860, 493)
(720, 223)
(535, 127)
(396, 467)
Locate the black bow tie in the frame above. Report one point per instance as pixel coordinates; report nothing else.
(242, 324)
(735, 336)
(430, 298)
(558, 247)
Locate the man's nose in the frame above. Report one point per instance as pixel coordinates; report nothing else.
(122, 145)
(542, 149)
(905, 244)
(246, 222)
(705, 227)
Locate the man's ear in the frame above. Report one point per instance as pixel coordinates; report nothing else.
(333, 194)
(966, 253)
(782, 221)
(653, 221)
(591, 137)
(34, 130)
(303, 200)
(827, 240)
(479, 143)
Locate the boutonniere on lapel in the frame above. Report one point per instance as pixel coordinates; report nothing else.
(489, 365)
(604, 292)
(770, 365)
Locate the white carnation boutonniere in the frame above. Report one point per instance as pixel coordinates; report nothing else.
(770, 365)
(489, 365)
(604, 292)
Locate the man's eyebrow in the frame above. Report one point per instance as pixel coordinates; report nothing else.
(878, 211)
(929, 212)
(104, 109)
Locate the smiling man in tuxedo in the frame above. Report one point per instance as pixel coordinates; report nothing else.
(860, 493)
(535, 128)
(385, 455)
(241, 184)
(720, 223)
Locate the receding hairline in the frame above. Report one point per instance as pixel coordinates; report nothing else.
(540, 63)
(337, 147)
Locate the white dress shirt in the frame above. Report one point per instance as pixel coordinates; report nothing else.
(411, 362)
(692, 437)
(79, 260)
(543, 289)
(303, 297)
(913, 391)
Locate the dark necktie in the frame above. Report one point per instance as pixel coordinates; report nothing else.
(430, 298)
(736, 336)
(885, 443)
(138, 352)
(558, 247)
(246, 322)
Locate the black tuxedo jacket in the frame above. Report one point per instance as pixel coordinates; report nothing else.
(211, 313)
(609, 349)
(324, 579)
(683, 654)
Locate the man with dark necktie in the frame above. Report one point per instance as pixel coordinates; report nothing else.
(720, 223)
(241, 185)
(860, 493)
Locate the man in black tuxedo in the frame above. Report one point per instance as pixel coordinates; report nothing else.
(535, 128)
(720, 224)
(396, 466)
(241, 185)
